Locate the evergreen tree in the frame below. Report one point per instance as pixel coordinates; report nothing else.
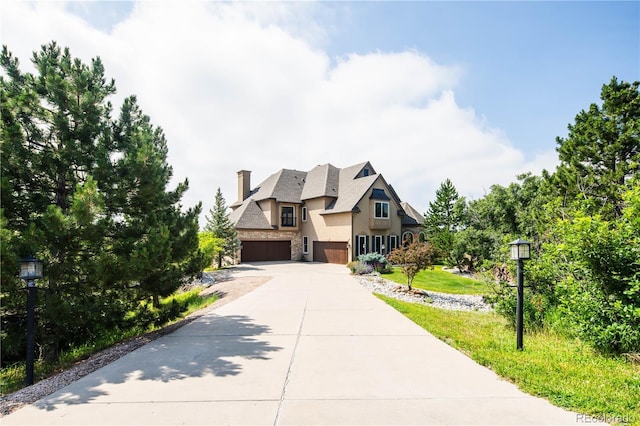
(86, 194)
(444, 218)
(602, 150)
(219, 225)
(159, 240)
(55, 143)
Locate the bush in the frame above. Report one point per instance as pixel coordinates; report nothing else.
(601, 295)
(384, 269)
(536, 306)
(359, 268)
(376, 261)
(413, 259)
(586, 281)
(372, 259)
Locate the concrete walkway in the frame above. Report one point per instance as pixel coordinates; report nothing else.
(311, 346)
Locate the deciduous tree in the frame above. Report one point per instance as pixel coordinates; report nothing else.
(412, 259)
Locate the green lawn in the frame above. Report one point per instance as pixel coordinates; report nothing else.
(564, 371)
(438, 280)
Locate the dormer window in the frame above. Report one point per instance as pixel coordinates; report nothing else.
(381, 210)
(365, 172)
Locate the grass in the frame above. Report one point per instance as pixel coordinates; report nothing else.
(12, 377)
(564, 371)
(440, 281)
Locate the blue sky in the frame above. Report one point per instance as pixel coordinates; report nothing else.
(472, 91)
(529, 66)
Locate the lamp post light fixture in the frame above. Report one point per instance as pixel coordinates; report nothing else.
(30, 271)
(520, 251)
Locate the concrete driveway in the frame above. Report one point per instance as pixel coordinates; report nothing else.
(311, 346)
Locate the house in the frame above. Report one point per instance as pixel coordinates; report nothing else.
(327, 214)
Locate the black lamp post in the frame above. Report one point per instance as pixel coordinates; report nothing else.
(520, 250)
(30, 271)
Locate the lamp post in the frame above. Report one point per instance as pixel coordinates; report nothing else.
(30, 271)
(520, 250)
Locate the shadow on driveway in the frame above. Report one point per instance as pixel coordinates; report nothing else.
(207, 346)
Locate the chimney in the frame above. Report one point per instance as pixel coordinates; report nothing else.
(244, 184)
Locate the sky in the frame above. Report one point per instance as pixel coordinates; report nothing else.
(475, 92)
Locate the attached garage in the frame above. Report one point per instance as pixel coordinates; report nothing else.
(259, 251)
(330, 252)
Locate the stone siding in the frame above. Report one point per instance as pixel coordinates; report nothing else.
(263, 235)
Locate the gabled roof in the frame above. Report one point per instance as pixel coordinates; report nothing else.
(413, 217)
(249, 216)
(352, 172)
(350, 192)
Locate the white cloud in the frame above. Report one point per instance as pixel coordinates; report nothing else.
(245, 86)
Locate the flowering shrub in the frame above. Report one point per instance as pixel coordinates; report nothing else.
(359, 268)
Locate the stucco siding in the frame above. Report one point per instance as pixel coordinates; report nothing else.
(365, 223)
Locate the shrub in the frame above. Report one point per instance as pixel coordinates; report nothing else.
(413, 259)
(359, 268)
(384, 269)
(376, 262)
(364, 269)
(504, 300)
(372, 259)
(601, 295)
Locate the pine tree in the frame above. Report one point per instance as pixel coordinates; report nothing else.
(443, 218)
(160, 241)
(55, 144)
(86, 194)
(219, 225)
(602, 150)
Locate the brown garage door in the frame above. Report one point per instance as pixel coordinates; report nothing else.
(330, 252)
(257, 251)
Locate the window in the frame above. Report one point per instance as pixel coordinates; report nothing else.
(378, 244)
(305, 245)
(393, 243)
(381, 210)
(365, 172)
(361, 244)
(304, 214)
(287, 218)
(407, 238)
(422, 237)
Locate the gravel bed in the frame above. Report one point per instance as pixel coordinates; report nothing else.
(457, 302)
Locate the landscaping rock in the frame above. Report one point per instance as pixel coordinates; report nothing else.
(457, 302)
